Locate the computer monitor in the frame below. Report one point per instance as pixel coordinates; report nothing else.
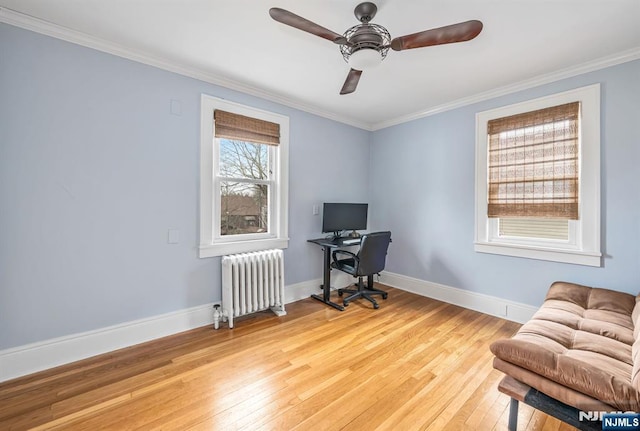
(338, 217)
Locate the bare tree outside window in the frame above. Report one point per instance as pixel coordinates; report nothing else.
(245, 176)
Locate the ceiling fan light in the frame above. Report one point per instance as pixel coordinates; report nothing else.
(365, 58)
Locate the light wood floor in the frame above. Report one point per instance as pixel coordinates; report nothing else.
(413, 364)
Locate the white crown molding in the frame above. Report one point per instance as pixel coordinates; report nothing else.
(601, 63)
(37, 25)
(27, 22)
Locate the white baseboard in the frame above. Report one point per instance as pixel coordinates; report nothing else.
(510, 310)
(30, 358)
(298, 291)
(487, 304)
(22, 360)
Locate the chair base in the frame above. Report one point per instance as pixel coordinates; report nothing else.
(362, 292)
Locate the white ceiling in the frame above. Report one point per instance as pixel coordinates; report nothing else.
(237, 44)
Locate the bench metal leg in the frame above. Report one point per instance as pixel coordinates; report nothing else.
(513, 415)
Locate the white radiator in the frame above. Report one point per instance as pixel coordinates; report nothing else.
(251, 282)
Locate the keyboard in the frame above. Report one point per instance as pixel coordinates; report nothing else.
(351, 241)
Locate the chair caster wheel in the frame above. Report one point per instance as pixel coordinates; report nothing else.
(339, 292)
(376, 306)
(384, 296)
(345, 303)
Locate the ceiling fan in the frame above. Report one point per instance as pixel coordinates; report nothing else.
(366, 44)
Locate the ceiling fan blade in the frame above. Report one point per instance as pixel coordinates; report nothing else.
(293, 20)
(351, 82)
(453, 33)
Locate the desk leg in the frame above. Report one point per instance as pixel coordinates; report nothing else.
(326, 282)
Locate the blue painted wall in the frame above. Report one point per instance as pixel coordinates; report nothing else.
(94, 170)
(424, 192)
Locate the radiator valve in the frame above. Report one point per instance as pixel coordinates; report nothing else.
(217, 314)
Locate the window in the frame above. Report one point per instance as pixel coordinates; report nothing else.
(243, 178)
(538, 178)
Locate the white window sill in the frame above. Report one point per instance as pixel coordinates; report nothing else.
(555, 255)
(232, 247)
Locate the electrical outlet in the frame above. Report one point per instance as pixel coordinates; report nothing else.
(316, 209)
(176, 107)
(173, 236)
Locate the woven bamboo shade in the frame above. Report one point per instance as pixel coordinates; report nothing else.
(533, 164)
(242, 128)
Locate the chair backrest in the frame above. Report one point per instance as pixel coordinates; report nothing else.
(373, 252)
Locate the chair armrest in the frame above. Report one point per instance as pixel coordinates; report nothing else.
(345, 252)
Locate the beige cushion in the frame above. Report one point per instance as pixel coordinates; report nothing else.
(581, 338)
(554, 390)
(635, 348)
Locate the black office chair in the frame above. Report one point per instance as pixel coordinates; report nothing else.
(370, 260)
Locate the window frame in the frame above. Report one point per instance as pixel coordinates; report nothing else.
(211, 242)
(584, 245)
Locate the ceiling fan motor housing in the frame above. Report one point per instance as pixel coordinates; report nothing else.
(369, 37)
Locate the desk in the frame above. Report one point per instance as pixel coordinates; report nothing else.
(327, 245)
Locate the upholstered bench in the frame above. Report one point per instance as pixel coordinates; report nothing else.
(578, 353)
